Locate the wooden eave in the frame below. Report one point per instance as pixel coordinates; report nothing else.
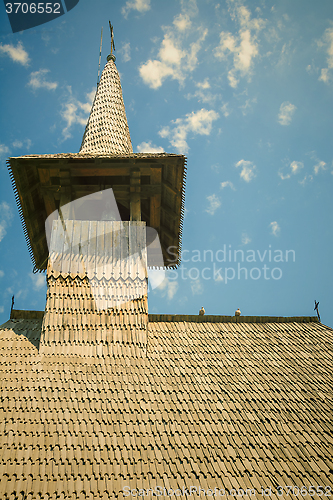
(38, 182)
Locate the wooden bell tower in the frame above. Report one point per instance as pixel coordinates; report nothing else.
(148, 191)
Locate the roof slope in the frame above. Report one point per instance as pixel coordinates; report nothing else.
(227, 405)
(107, 129)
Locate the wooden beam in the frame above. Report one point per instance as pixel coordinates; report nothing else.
(105, 170)
(169, 234)
(37, 239)
(171, 188)
(155, 200)
(170, 213)
(49, 201)
(135, 191)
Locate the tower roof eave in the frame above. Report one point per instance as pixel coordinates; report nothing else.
(37, 180)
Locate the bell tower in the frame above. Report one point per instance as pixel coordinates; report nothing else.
(94, 221)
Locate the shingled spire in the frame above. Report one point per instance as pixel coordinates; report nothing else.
(107, 129)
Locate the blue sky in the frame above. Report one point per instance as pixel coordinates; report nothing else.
(244, 89)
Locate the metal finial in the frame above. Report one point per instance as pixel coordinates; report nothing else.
(100, 54)
(111, 55)
(316, 309)
(12, 307)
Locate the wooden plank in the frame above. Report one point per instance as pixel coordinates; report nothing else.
(116, 248)
(108, 249)
(135, 201)
(155, 200)
(57, 245)
(124, 251)
(37, 239)
(100, 249)
(107, 170)
(75, 249)
(84, 242)
(92, 249)
(170, 213)
(67, 249)
(171, 188)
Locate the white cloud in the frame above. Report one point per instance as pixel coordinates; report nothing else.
(154, 72)
(248, 170)
(214, 204)
(17, 54)
(196, 287)
(203, 92)
(5, 217)
(283, 176)
(167, 288)
(324, 75)
(203, 85)
(138, 5)
(176, 57)
(224, 109)
(243, 47)
(245, 239)
(4, 150)
(248, 106)
(26, 143)
(86, 106)
(2, 309)
(182, 22)
(1, 274)
(218, 277)
(286, 112)
(294, 168)
(38, 80)
(306, 179)
(320, 165)
(198, 122)
(327, 40)
(126, 51)
(148, 147)
(275, 228)
(227, 184)
(38, 281)
(75, 112)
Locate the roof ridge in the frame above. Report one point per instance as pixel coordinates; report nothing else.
(167, 318)
(230, 319)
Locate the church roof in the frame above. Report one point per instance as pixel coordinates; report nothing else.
(230, 403)
(107, 129)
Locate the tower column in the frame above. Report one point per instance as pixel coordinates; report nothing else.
(97, 289)
(135, 198)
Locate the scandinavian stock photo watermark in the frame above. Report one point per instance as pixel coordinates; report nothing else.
(228, 264)
(265, 492)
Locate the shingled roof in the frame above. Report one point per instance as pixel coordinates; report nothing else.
(217, 402)
(107, 129)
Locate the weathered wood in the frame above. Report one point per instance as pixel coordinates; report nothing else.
(48, 179)
(155, 200)
(135, 200)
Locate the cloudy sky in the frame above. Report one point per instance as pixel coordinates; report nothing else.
(244, 89)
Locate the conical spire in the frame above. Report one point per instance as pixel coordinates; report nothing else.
(107, 129)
